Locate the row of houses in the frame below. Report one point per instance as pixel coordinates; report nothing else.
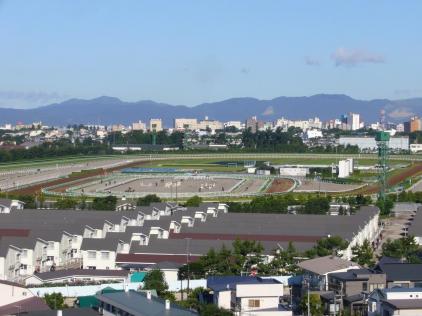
(35, 241)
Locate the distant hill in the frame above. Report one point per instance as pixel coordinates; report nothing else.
(109, 110)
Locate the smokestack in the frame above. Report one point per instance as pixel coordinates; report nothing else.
(149, 295)
(167, 304)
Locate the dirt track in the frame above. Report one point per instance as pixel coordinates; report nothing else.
(396, 179)
(38, 187)
(280, 185)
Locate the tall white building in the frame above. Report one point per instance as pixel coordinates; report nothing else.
(353, 121)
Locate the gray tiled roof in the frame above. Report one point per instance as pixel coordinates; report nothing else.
(324, 265)
(286, 224)
(201, 247)
(402, 271)
(415, 228)
(5, 202)
(108, 244)
(51, 275)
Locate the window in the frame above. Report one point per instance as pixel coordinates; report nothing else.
(24, 253)
(92, 255)
(105, 255)
(254, 303)
(92, 267)
(365, 286)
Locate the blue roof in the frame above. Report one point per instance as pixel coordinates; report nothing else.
(220, 283)
(138, 304)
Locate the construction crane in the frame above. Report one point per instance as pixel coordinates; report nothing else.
(382, 138)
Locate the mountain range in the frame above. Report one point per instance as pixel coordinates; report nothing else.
(109, 110)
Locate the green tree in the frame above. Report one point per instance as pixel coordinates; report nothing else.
(66, 203)
(154, 280)
(55, 300)
(147, 200)
(328, 246)
(247, 253)
(404, 248)
(213, 310)
(315, 305)
(104, 203)
(284, 261)
(363, 254)
(194, 201)
(385, 206)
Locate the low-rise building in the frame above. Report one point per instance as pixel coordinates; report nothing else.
(138, 304)
(399, 274)
(395, 301)
(77, 276)
(348, 290)
(317, 270)
(16, 299)
(248, 295)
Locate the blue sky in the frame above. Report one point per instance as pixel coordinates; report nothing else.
(189, 52)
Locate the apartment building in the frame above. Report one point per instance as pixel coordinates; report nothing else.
(155, 125)
(208, 124)
(43, 240)
(139, 126)
(185, 124)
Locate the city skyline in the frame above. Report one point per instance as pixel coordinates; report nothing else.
(190, 52)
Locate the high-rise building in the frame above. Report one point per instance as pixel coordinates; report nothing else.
(155, 125)
(415, 124)
(254, 124)
(353, 121)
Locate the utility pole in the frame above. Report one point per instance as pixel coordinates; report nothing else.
(309, 299)
(187, 262)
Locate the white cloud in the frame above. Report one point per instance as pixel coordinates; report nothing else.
(353, 57)
(310, 61)
(23, 99)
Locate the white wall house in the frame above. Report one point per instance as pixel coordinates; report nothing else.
(10, 264)
(6, 206)
(248, 295)
(369, 231)
(70, 248)
(13, 293)
(34, 259)
(395, 301)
